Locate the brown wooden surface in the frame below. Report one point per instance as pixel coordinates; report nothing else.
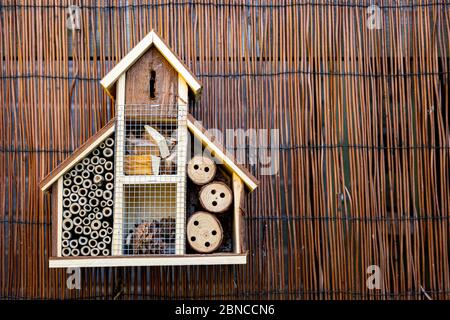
(363, 119)
(54, 215)
(138, 82)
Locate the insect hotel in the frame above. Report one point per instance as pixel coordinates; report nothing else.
(132, 195)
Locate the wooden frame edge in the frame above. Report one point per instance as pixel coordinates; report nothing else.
(134, 261)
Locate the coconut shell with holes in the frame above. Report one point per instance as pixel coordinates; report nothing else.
(201, 170)
(204, 232)
(216, 197)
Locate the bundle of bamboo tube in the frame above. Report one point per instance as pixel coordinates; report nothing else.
(88, 204)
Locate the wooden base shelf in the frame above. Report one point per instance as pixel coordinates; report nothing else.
(156, 260)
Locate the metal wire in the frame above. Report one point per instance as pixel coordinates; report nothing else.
(151, 174)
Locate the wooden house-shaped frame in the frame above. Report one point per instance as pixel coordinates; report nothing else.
(135, 168)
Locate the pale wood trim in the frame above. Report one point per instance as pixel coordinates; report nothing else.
(79, 154)
(152, 38)
(218, 153)
(141, 179)
(180, 227)
(60, 214)
(126, 261)
(239, 194)
(117, 240)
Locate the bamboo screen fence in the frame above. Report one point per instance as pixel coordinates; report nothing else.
(363, 119)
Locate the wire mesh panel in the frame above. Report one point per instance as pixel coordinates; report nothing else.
(151, 138)
(150, 174)
(149, 218)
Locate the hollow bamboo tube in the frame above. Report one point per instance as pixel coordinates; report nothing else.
(86, 222)
(109, 142)
(94, 234)
(86, 161)
(85, 174)
(99, 193)
(94, 160)
(82, 213)
(99, 216)
(79, 167)
(83, 241)
(73, 243)
(98, 179)
(107, 212)
(90, 168)
(95, 252)
(107, 195)
(85, 250)
(102, 145)
(107, 239)
(105, 252)
(110, 203)
(66, 192)
(109, 186)
(109, 230)
(96, 225)
(78, 180)
(101, 245)
(67, 182)
(73, 173)
(67, 224)
(78, 229)
(65, 235)
(66, 252)
(99, 169)
(65, 243)
(67, 176)
(87, 184)
(74, 197)
(93, 202)
(74, 208)
(96, 153)
(103, 203)
(83, 192)
(87, 208)
(107, 152)
(66, 203)
(75, 188)
(91, 216)
(102, 233)
(77, 221)
(92, 243)
(94, 187)
(75, 252)
(96, 209)
(82, 201)
(102, 161)
(108, 165)
(67, 214)
(87, 230)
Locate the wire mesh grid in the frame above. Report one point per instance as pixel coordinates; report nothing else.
(150, 189)
(151, 138)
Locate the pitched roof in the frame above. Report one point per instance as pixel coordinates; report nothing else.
(75, 157)
(150, 39)
(220, 152)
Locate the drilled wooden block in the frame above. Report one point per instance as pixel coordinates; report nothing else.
(204, 232)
